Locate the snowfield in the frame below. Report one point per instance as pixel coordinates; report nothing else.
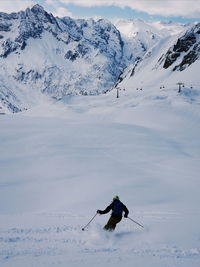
(61, 161)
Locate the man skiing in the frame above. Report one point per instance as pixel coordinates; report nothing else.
(117, 208)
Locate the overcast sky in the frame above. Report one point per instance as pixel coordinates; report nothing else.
(177, 10)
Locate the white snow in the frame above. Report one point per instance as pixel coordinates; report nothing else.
(130, 28)
(60, 162)
(149, 72)
(140, 36)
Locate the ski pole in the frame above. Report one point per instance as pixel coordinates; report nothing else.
(89, 222)
(135, 222)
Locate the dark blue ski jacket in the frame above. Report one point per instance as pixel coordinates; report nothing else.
(117, 208)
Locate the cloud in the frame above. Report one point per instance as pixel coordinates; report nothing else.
(62, 12)
(185, 8)
(9, 6)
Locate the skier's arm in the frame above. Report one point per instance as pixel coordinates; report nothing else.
(106, 210)
(126, 211)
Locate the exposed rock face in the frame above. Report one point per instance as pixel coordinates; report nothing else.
(186, 49)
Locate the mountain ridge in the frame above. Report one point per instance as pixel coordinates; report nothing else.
(56, 56)
(42, 55)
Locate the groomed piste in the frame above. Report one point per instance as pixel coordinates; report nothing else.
(61, 161)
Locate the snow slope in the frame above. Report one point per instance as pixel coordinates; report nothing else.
(173, 60)
(61, 161)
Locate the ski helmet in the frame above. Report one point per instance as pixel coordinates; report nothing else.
(116, 197)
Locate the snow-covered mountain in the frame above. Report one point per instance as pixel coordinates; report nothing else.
(172, 60)
(41, 53)
(139, 36)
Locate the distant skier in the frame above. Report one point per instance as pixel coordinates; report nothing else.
(117, 208)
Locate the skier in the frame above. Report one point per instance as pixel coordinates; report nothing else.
(117, 208)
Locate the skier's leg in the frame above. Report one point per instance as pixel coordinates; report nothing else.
(111, 224)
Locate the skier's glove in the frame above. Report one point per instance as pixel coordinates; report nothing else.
(125, 216)
(98, 211)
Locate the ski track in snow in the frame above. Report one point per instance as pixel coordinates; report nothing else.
(56, 245)
(58, 168)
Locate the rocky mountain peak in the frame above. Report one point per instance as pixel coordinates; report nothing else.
(38, 9)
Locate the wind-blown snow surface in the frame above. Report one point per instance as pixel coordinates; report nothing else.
(60, 162)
